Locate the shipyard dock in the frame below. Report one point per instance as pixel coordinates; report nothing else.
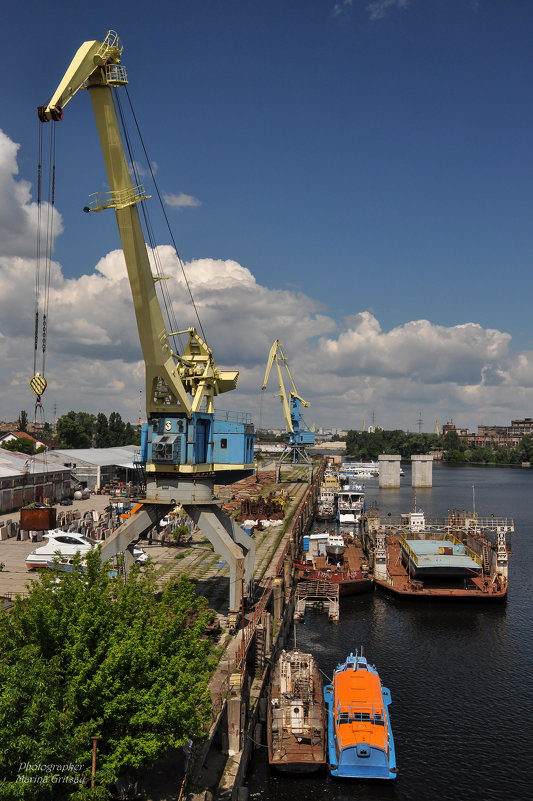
(460, 556)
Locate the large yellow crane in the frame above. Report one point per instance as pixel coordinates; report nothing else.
(298, 433)
(185, 446)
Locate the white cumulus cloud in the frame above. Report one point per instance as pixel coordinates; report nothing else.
(181, 201)
(380, 8)
(348, 370)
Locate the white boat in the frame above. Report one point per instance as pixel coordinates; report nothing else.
(326, 502)
(359, 470)
(350, 505)
(335, 545)
(65, 545)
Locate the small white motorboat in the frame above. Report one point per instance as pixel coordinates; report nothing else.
(65, 545)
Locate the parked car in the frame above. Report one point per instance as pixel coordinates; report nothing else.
(65, 502)
(139, 555)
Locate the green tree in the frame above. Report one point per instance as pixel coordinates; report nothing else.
(21, 445)
(75, 429)
(101, 431)
(116, 429)
(90, 655)
(525, 449)
(364, 445)
(131, 435)
(22, 422)
(452, 442)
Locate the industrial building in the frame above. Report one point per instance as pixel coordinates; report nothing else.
(53, 475)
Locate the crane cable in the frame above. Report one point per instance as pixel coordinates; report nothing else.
(187, 284)
(42, 283)
(147, 223)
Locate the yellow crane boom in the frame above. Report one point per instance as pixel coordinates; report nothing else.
(174, 383)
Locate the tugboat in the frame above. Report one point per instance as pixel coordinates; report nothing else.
(296, 719)
(360, 741)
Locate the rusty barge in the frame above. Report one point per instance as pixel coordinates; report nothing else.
(296, 723)
(463, 556)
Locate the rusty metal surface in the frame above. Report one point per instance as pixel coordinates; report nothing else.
(38, 519)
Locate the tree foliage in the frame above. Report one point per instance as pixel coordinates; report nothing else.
(81, 430)
(22, 422)
(22, 445)
(366, 446)
(89, 655)
(75, 429)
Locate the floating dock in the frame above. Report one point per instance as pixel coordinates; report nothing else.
(462, 556)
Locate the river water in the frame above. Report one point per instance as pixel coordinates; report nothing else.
(460, 673)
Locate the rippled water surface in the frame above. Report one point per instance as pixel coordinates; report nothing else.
(460, 673)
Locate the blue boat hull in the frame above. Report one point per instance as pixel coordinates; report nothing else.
(357, 761)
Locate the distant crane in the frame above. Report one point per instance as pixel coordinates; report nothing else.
(437, 429)
(299, 434)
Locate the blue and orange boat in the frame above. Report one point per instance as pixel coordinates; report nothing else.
(360, 741)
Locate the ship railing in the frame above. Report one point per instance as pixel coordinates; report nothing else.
(468, 551)
(410, 553)
(457, 522)
(233, 417)
(359, 713)
(492, 523)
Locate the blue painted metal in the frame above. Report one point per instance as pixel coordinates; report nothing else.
(438, 558)
(301, 434)
(204, 439)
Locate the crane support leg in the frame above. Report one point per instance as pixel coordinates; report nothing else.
(130, 531)
(293, 455)
(230, 541)
(227, 538)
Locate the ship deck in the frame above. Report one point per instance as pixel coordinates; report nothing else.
(296, 729)
(399, 582)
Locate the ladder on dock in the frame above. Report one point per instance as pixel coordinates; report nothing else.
(317, 595)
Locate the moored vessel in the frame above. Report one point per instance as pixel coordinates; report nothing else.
(296, 717)
(335, 545)
(350, 505)
(462, 556)
(327, 497)
(349, 569)
(358, 470)
(360, 740)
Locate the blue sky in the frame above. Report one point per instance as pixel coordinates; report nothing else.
(360, 158)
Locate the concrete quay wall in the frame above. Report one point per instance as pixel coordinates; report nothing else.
(239, 688)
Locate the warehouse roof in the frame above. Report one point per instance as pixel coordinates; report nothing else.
(101, 457)
(13, 463)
